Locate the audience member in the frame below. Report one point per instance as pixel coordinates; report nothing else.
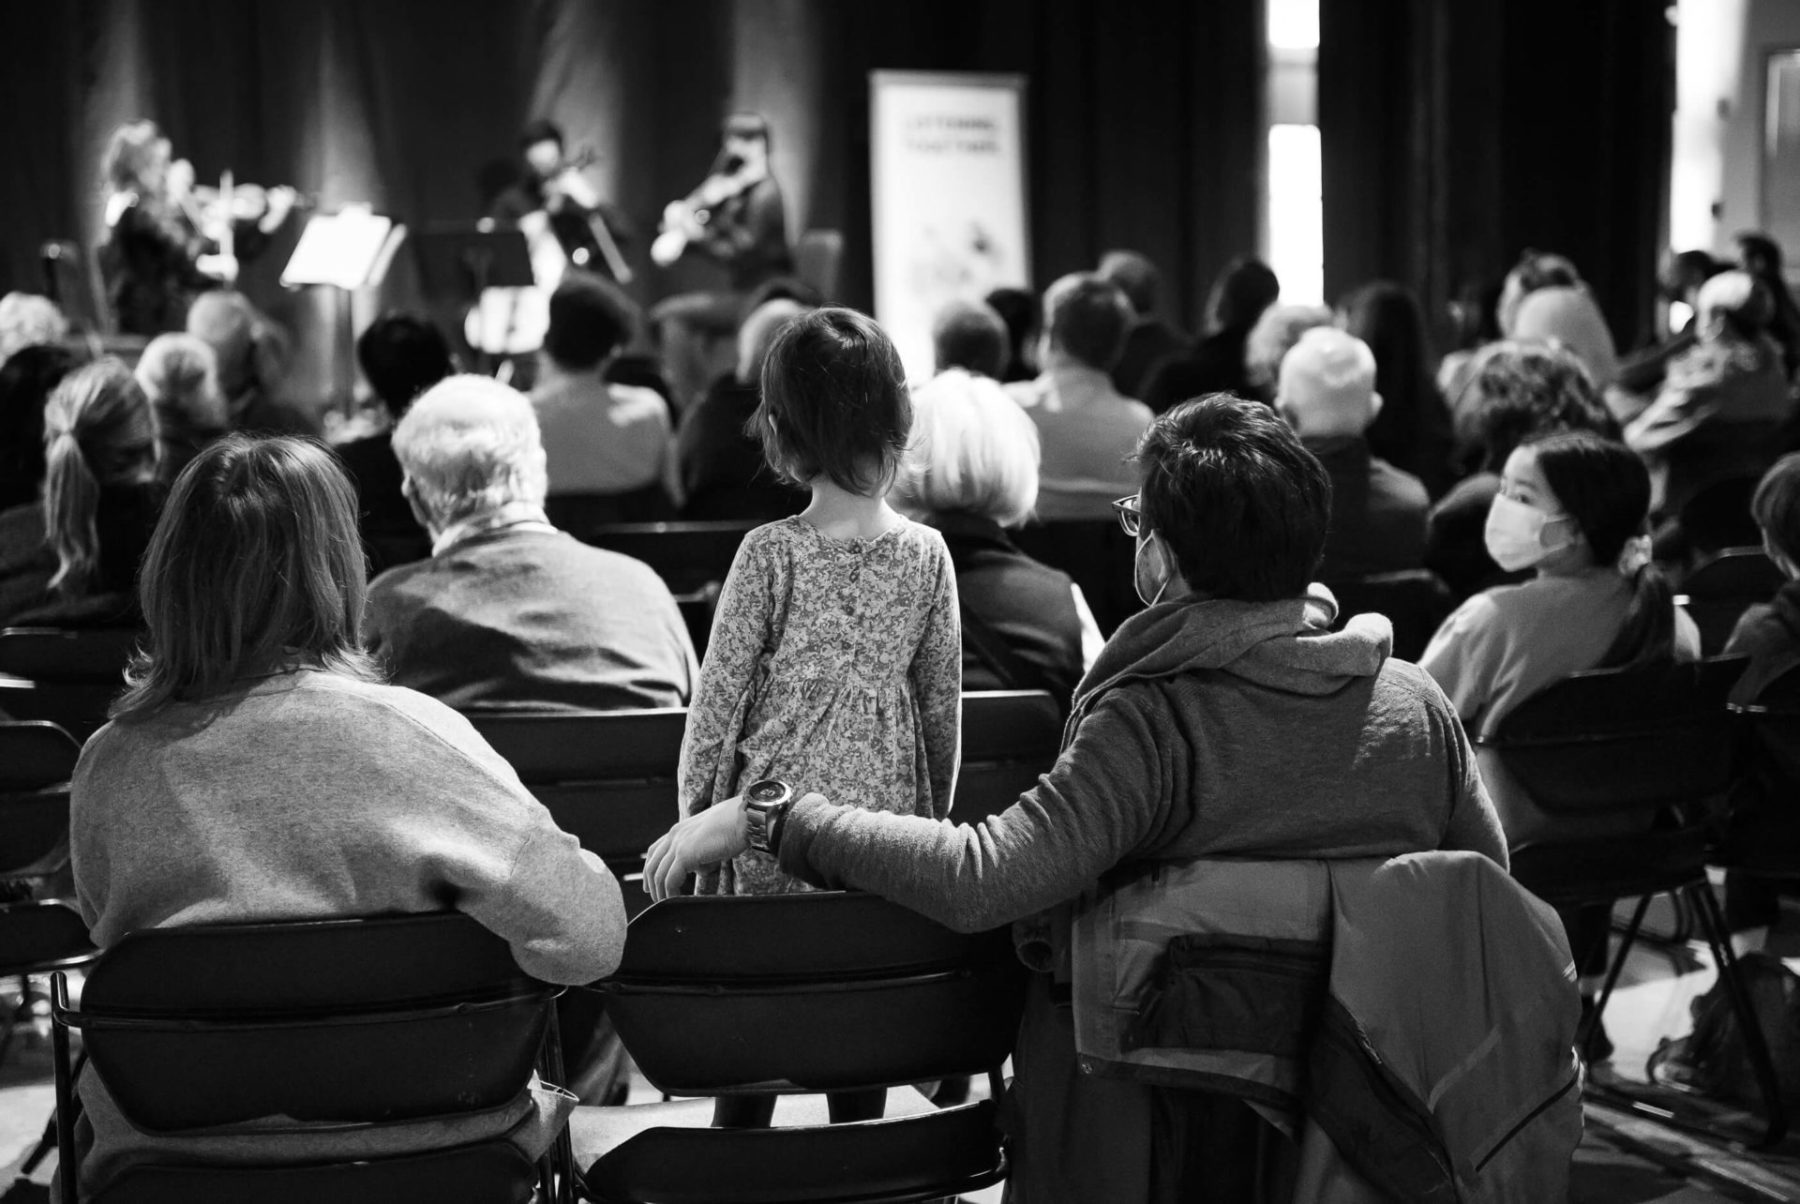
(28, 320)
(1086, 430)
(509, 613)
(1204, 729)
(719, 460)
(1769, 633)
(252, 356)
(835, 652)
(26, 380)
(1721, 403)
(1679, 285)
(1511, 392)
(1216, 364)
(1761, 256)
(1150, 340)
(1475, 323)
(1327, 394)
(1544, 300)
(607, 439)
(401, 355)
(1018, 308)
(256, 770)
(100, 502)
(1412, 431)
(1273, 336)
(971, 472)
(971, 336)
(181, 378)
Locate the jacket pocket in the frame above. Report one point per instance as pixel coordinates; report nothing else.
(1256, 995)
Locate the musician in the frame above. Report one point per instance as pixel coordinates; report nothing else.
(552, 184)
(736, 216)
(165, 237)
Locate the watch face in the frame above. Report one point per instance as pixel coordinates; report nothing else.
(765, 792)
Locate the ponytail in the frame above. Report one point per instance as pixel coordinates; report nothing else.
(1648, 634)
(99, 430)
(71, 505)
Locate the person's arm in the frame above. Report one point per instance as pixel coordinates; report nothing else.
(1678, 411)
(762, 221)
(1474, 824)
(740, 632)
(936, 678)
(1106, 798)
(559, 907)
(1462, 657)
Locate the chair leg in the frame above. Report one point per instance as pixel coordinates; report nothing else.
(1615, 967)
(1712, 923)
(68, 1166)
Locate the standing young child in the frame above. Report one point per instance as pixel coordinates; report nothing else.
(835, 662)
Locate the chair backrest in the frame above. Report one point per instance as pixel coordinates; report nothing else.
(688, 556)
(1718, 590)
(36, 760)
(607, 777)
(809, 992)
(1774, 718)
(818, 260)
(1615, 740)
(353, 1021)
(1097, 555)
(68, 676)
(578, 513)
(1415, 601)
(1009, 738)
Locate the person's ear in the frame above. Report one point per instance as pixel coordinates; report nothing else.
(410, 492)
(1375, 404)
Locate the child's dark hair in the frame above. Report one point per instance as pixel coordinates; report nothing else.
(1776, 506)
(1605, 489)
(834, 402)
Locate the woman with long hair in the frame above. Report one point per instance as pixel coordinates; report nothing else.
(256, 769)
(1412, 431)
(154, 259)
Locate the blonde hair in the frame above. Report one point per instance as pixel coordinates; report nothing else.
(973, 450)
(181, 376)
(256, 564)
(130, 150)
(99, 430)
(470, 445)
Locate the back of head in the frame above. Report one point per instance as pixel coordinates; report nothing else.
(402, 355)
(26, 382)
(1512, 392)
(1604, 488)
(1387, 317)
(1328, 384)
(970, 335)
(249, 349)
(1243, 290)
(974, 451)
(1243, 506)
(1273, 336)
(1759, 254)
(28, 320)
(1776, 505)
(130, 149)
(1019, 309)
(470, 445)
(1733, 305)
(255, 566)
(758, 332)
(590, 319)
(541, 130)
(181, 378)
(1086, 319)
(1135, 275)
(834, 402)
(99, 430)
(1535, 270)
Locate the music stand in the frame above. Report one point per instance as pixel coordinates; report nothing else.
(459, 262)
(345, 251)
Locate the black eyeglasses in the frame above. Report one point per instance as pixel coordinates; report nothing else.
(1129, 516)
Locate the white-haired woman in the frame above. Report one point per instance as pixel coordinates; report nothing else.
(972, 472)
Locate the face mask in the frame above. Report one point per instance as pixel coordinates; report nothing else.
(1515, 534)
(1147, 597)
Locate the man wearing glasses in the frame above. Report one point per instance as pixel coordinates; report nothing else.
(1226, 720)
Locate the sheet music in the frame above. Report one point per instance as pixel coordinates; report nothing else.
(342, 249)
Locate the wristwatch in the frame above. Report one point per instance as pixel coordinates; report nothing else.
(766, 804)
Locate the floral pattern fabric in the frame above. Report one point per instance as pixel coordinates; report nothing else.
(836, 666)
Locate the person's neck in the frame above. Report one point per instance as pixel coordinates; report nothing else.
(552, 372)
(1572, 561)
(1060, 363)
(448, 537)
(839, 514)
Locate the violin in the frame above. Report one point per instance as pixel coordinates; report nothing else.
(216, 212)
(685, 221)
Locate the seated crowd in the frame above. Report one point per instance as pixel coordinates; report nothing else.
(318, 621)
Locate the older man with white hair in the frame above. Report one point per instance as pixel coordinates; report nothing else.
(510, 613)
(1326, 391)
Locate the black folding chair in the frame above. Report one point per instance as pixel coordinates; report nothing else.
(1650, 748)
(692, 558)
(345, 1024)
(1009, 739)
(68, 676)
(1762, 829)
(1719, 589)
(1415, 601)
(806, 993)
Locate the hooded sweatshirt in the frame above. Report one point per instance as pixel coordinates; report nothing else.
(1205, 729)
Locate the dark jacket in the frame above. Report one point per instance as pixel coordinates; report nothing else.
(1213, 365)
(391, 535)
(124, 521)
(1769, 634)
(1147, 344)
(722, 470)
(1009, 599)
(1377, 513)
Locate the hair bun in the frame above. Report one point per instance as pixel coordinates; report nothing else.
(1634, 555)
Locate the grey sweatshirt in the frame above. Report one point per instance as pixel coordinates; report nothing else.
(1214, 728)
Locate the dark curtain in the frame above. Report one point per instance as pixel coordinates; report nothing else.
(1457, 135)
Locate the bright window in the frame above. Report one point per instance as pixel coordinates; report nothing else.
(1296, 213)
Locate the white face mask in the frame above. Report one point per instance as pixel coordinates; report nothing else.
(1515, 533)
(1137, 575)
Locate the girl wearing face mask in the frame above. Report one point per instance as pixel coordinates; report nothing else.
(1573, 508)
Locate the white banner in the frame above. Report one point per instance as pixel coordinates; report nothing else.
(948, 175)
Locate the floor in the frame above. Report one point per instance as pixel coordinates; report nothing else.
(1624, 1158)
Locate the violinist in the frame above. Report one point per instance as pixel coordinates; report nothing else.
(166, 240)
(588, 231)
(736, 216)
